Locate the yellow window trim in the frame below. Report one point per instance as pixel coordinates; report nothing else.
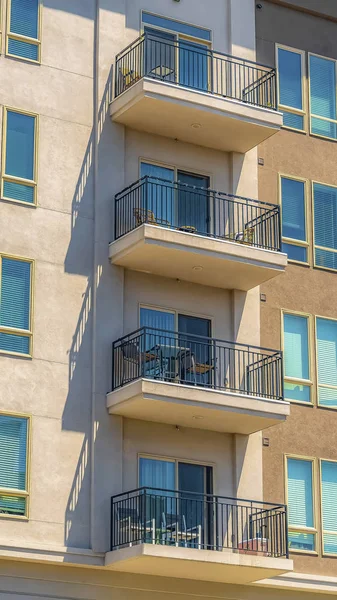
(308, 382)
(14, 330)
(22, 493)
(324, 137)
(290, 109)
(23, 38)
(5, 177)
(315, 504)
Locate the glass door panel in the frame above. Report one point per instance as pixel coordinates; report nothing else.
(193, 204)
(193, 65)
(194, 482)
(196, 363)
(159, 504)
(159, 345)
(158, 197)
(160, 54)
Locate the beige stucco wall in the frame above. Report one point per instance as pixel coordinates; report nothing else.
(310, 431)
(82, 303)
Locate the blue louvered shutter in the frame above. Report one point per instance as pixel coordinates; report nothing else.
(325, 226)
(300, 504)
(327, 361)
(290, 78)
(20, 156)
(15, 304)
(323, 96)
(293, 209)
(329, 506)
(24, 21)
(13, 458)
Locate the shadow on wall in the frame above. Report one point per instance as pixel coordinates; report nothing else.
(77, 414)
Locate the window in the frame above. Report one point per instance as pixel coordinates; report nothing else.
(19, 157)
(23, 27)
(176, 51)
(13, 465)
(300, 500)
(297, 384)
(290, 68)
(293, 201)
(15, 306)
(323, 108)
(326, 334)
(329, 506)
(325, 225)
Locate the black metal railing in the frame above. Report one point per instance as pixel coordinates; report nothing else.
(195, 360)
(197, 210)
(190, 520)
(193, 66)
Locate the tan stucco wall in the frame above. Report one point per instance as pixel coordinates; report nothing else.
(310, 431)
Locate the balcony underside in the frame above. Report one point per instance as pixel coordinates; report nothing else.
(227, 566)
(193, 116)
(197, 407)
(195, 258)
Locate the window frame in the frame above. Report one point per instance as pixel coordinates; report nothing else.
(282, 107)
(308, 382)
(11, 491)
(20, 180)
(313, 182)
(24, 38)
(181, 36)
(176, 460)
(323, 531)
(324, 137)
(315, 504)
(303, 244)
(14, 330)
(176, 313)
(316, 366)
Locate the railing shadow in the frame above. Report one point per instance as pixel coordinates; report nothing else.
(76, 415)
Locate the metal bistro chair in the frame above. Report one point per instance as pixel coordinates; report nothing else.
(175, 531)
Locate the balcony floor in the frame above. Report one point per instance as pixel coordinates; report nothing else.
(172, 111)
(203, 565)
(197, 407)
(220, 263)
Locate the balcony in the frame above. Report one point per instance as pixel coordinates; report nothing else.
(196, 95)
(198, 382)
(196, 234)
(200, 537)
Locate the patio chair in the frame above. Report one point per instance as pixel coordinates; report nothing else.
(186, 365)
(175, 531)
(143, 215)
(128, 77)
(246, 236)
(131, 527)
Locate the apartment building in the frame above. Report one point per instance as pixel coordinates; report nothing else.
(149, 424)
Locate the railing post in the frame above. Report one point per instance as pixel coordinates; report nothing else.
(113, 367)
(144, 516)
(286, 531)
(111, 525)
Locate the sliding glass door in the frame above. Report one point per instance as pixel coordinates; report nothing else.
(200, 350)
(193, 202)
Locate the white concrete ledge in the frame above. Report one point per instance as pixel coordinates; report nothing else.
(196, 407)
(224, 124)
(174, 254)
(227, 566)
